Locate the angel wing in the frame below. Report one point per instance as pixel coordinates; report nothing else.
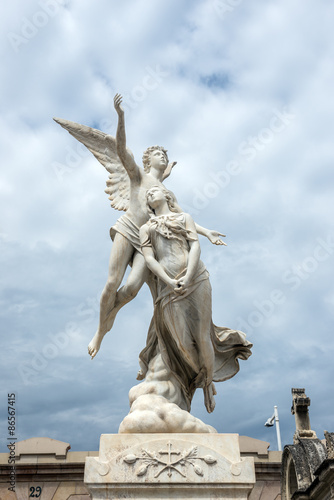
(103, 147)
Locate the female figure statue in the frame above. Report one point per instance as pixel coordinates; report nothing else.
(192, 348)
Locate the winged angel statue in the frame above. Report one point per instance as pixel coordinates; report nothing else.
(127, 185)
(184, 349)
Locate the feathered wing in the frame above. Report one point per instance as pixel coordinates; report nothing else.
(103, 147)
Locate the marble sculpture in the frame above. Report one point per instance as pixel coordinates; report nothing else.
(184, 349)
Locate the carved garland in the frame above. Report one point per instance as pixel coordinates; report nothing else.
(168, 460)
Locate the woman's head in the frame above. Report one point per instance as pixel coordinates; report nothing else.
(158, 194)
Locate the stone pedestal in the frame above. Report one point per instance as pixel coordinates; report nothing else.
(169, 466)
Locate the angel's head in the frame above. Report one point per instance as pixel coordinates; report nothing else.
(155, 156)
(154, 197)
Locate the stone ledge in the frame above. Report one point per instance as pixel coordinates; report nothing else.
(41, 446)
(44, 472)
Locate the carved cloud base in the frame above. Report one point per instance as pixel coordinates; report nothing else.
(173, 466)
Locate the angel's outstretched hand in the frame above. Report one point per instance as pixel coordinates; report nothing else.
(117, 104)
(213, 236)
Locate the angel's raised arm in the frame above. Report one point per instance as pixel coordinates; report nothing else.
(127, 160)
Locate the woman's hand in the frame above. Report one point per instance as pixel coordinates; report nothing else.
(182, 285)
(176, 285)
(171, 283)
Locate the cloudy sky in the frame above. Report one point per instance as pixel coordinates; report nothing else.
(240, 93)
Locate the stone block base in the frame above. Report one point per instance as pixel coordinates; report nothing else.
(169, 466)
